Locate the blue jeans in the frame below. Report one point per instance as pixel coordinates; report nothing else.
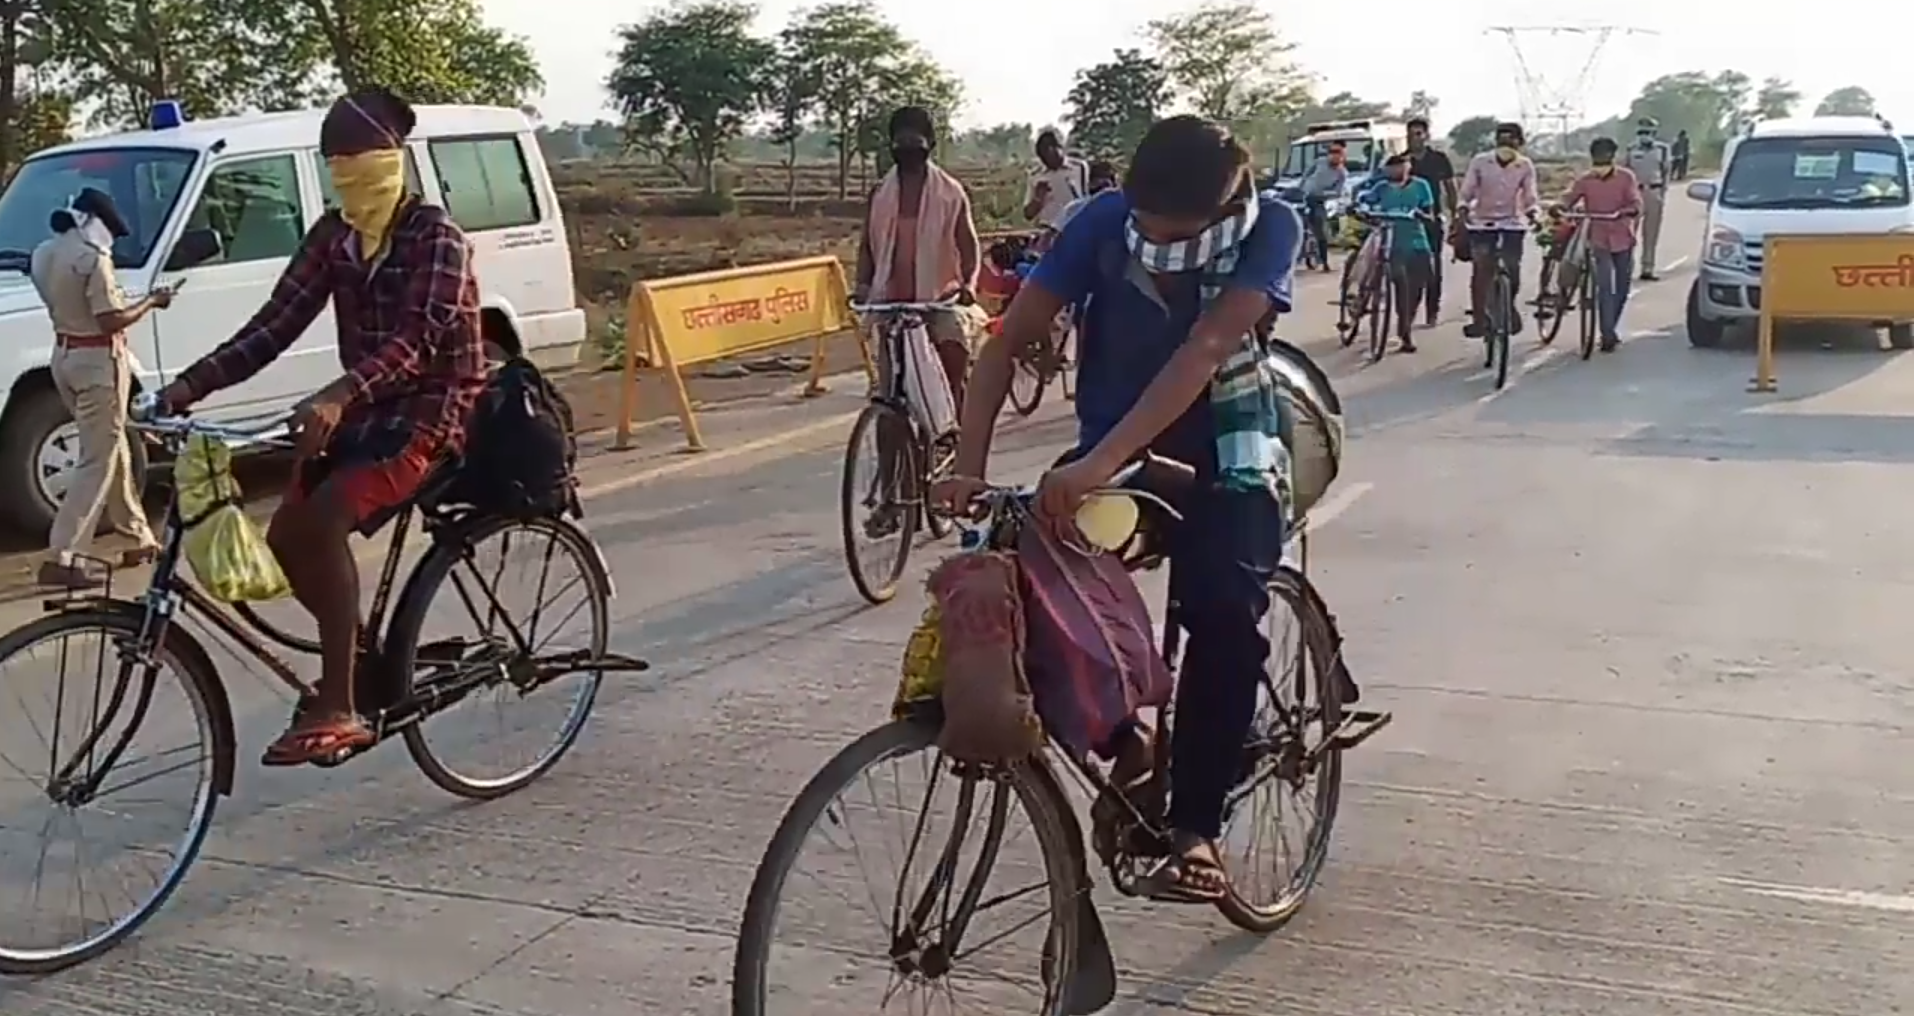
(1614, 270)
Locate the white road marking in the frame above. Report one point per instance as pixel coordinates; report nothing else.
(1529, 363)
(1672, 265)
(1337, 503)
(1833, 897)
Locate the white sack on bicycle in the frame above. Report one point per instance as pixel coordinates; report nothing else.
(926, 386)
(227, 551)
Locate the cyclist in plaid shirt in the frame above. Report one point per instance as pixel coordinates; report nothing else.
(399, 275)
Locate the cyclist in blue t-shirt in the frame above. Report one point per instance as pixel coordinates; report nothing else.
(1181, 268)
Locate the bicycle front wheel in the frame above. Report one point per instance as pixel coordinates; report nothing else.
(1349, 302)
(1587, 310)
(1379, 300)
(937, 925)
(1029, 376)
(878, 500)
(112, 783)
(1500, 320)
(530, 598)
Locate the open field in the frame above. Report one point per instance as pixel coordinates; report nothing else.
(629, 220)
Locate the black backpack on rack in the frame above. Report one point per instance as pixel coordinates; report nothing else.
(520, 449)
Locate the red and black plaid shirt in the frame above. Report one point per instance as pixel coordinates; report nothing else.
(409, 334)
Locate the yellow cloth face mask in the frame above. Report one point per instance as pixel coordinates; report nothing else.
(370, 185)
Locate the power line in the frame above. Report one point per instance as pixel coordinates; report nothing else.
(1558, 103)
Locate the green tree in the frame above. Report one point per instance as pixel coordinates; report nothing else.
(996, 145)
(26, 43)
(215, 56)
(1112, 104)
(912, 81)
(861, 62)
(1852, 100)
(427, 52)
(688, 79)
(1705, 105)
(792, 98)
(1776, 99)
(1473, 135)
(1228, 61)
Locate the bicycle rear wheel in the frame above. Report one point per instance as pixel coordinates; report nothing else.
(103, 761)
(1302, 705)
(524, 654)
(1586, 310)
(1502, 299)
(1029, 376)
(879, 505)
(909, 926)
(1554, 301)
(1348, 302)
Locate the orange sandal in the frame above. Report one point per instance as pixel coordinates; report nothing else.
(321, 741)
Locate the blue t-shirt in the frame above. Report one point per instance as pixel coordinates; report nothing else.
(1414, 196)
(1131, 327)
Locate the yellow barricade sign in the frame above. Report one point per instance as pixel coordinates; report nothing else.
(1831, 278)
(680, 322)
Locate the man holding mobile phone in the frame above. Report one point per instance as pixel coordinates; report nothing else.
(73, 272)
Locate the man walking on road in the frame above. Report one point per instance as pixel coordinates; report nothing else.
(1678, 155)
(1057, 181)
(1432, 165)
(1608, 190)
(74, 275)
(1649, 161)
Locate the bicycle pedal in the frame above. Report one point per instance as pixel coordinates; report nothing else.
(1357, 727)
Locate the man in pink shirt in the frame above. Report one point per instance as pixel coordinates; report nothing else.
(1613, 193)
(1497, 209)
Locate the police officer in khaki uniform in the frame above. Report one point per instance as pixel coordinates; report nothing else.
(1649, 160)
(91, 370)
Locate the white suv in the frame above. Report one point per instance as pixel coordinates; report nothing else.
(219, 206)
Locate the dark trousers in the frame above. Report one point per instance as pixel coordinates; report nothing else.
(1316, 219)
(1221, 558)
(1488, 248)
(1410, 272)
(1432, 287)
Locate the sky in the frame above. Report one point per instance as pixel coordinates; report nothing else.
(1017, 57)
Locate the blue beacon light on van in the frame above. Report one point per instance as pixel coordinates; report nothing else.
(166, 115)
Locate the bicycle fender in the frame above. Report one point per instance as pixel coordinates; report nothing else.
(188, 648)
(1094, 986)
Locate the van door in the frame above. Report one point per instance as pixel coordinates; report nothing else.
(257, 207)
(491, 188)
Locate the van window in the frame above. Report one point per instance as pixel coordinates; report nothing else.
(253, 204)
(331, 196)
(145, 184)
(1806, 172)
(1358, 155)
(486, 182)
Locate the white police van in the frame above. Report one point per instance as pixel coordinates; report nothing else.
(219, 206)
(1823, 175)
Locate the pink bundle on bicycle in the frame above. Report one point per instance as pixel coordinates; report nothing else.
(979, 660)
(1090, 650)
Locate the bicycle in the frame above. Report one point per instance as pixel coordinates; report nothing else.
(1500, 311)
(909, 456)
(1037, 364)
(926, 935)
(1374, 296)
(1584, 297)
(421, 678)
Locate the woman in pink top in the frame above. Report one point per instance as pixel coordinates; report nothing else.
(1498, 207)
(1609, 190)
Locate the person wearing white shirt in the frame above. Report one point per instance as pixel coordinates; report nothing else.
(1059, 180)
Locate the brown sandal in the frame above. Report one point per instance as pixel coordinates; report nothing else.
(1193, 876)
(321, 741)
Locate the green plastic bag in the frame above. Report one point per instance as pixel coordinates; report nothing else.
(228, 553)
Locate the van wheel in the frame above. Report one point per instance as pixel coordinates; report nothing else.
(1901, 336)
(1703, 333)
(38, 448)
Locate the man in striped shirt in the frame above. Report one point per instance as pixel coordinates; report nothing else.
(1498, 207)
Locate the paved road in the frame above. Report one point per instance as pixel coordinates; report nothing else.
(1640, 631)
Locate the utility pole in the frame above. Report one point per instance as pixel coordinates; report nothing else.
(1557, 102)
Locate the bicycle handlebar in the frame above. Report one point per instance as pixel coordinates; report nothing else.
(1595, 216)
(1412, 215)
(919, 307)
(144, 416)
(996, 499)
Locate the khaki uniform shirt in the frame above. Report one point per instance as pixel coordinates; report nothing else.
(76, 282)
(1650, 164)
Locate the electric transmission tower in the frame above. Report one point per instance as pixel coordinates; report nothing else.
(1555, 99)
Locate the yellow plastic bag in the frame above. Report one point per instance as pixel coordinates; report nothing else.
(228, 553)
(921, 679)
